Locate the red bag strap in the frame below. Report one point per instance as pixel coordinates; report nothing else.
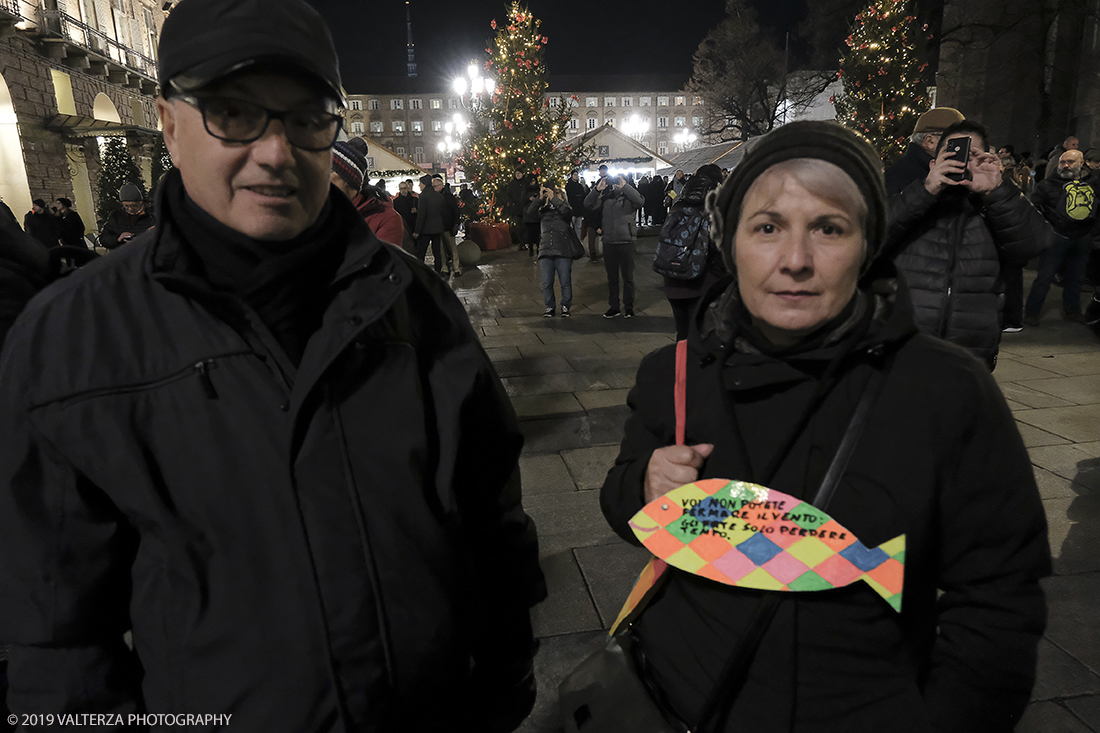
(680, 389)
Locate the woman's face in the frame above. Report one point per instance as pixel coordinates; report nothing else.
(798, 258)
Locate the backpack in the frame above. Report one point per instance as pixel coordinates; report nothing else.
(683, 244)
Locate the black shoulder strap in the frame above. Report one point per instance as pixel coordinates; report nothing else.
(733, 674)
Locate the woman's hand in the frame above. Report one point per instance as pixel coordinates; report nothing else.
(673, 466)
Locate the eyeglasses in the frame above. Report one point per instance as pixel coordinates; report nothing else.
(238, 121)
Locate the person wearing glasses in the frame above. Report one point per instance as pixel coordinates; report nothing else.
(129, 221)
(265, 442)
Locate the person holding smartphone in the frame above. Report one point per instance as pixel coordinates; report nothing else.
(949, 234)
(617, 203)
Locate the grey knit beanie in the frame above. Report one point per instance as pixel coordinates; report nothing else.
(828, 141)
(130, 192)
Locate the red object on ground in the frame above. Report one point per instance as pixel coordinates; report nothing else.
(489, 236)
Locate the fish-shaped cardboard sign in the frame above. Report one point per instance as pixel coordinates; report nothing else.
(751, 536)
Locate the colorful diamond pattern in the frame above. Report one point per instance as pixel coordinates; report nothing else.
(780, 559)
(759, 549)
(838, 571)
(809, 581)
(734, 565)
(710, 547)
(863, 558)
(810, 551)
(784, 568)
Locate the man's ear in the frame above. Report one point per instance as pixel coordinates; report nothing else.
(168, 125)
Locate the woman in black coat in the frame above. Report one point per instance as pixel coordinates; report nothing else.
(776, 365)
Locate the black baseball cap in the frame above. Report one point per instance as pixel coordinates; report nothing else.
(203, 41)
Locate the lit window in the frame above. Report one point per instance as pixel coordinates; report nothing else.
(417, 127)
(611, 121)
(679, 121)
(628, 101)
(436, 125)
(356, 104)
(696, 121)
(436, 104)
(679, 101)
(452, 104)
(697, 100)
(591, 102)
(553, 101)
(608, 101)
(662, 101)
(376, 128)
(373, 104)
(573, 102)
(591, 123)
(399, 125)
(414, 104)
(644, 101)
(397, 104)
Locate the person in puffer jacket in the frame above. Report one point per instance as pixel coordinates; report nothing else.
(948, 238)
(555, 255)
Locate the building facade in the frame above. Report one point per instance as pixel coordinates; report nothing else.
(73, 72)
(410, 115)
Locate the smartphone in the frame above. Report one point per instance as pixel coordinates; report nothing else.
(958, 148)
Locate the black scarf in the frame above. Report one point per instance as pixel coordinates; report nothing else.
(286, 282)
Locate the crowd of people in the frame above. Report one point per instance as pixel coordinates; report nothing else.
(258, 420)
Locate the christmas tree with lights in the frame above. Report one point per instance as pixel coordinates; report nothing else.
(884, 86)
(514, 126)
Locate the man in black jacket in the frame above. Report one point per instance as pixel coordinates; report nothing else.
(264, 441)
(913, 165)
(42, 225)
(429, 222)
(948, 238)
(128, 222)
(1069, 204)
(72, 226)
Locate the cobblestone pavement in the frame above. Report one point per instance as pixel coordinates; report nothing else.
(568, 380)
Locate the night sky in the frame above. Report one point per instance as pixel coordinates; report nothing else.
(585, 37)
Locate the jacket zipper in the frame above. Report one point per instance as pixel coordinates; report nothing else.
(202, 368)
(203, 373)
(946, 317)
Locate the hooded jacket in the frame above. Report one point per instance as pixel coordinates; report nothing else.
(955, 480)
(949, 250)
(307, 547)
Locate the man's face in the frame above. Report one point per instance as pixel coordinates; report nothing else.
(519, 175)
(267, 189)
(37, 209)
(402, 189)
(59, 208)
(1071, 143)
(603, 171)
(422, 186)
(929, 142)
(437, 184)
(1069, 165)
(133, 208)
(1093, 165)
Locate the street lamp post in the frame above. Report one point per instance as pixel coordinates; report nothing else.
(635, 128)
